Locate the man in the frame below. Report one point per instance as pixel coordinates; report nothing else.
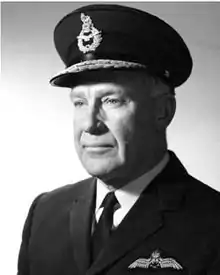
(141, 212)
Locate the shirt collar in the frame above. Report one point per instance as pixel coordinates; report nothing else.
(128, 194)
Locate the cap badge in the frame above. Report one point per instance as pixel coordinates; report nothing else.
(89, 38)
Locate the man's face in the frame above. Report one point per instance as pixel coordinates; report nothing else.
(114, 124)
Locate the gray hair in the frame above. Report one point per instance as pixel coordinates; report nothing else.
(160, 88)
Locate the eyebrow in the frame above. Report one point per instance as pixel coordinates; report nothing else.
(101, 92)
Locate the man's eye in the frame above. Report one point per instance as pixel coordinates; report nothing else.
(78, 103)
(112, 101)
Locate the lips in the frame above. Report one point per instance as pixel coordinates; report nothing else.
(97, 145)
(97, 149)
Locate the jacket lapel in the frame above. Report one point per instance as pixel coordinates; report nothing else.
(81, 215)
(145, 218)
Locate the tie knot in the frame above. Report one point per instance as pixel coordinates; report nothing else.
(109, 201)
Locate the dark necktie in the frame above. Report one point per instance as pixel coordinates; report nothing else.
(104, 226)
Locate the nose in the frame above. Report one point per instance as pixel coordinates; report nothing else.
(94, 121)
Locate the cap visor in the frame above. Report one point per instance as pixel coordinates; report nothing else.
(66, 77)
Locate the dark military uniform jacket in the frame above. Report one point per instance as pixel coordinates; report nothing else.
(173, 228)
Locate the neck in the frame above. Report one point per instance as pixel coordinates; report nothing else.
(118, 182)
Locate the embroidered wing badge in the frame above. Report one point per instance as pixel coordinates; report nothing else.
(155, 261)
(89, 38)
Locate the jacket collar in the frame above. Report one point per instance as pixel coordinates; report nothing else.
(171, 184)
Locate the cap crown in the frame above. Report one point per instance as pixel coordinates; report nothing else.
(122, 33)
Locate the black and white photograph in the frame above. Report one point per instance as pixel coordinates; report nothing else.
(110, 138)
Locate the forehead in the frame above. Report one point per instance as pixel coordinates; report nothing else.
(99, 89)
(132, 82)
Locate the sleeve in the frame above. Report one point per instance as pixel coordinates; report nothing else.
(214, 268)
(23, 258)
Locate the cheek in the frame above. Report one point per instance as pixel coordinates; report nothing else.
(133, 133)
(123, 130)
(77, 130)
(145, 119)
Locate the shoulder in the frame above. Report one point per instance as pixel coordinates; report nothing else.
(203, 203)
(202, 193)
(65, 193)
(58, 200)
(199, 197)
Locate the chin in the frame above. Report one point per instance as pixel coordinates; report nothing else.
(102, 168)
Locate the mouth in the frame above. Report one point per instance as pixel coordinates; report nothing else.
(98, 148)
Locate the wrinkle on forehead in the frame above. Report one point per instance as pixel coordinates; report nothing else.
(99, 89)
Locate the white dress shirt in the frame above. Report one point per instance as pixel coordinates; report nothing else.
(128, 194)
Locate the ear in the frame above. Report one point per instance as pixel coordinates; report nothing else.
(165, 110)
